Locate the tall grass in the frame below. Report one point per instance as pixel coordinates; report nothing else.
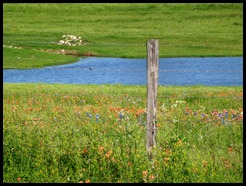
(89, 133)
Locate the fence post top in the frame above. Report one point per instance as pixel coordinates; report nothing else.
(149, 40)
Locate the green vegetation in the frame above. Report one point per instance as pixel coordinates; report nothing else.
(114, 30)
(96, 133)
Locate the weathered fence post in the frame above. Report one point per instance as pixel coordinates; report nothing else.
(152, 84)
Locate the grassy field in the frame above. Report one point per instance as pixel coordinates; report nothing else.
(31, 32)
(96, 133)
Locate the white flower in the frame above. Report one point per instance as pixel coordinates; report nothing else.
(61, 41)
(70, 40)
(74, 37)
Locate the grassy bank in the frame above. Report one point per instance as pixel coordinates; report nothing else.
(118, 30)
(89, 133)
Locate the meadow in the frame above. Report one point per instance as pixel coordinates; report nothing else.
(32, 31)
(96, 133)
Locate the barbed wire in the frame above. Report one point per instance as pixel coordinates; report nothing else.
(189, 145)
(144, 70)
(129, 44)
(139, 98)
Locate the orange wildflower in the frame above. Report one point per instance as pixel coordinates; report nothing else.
(152, 176)
(87, 181)
(158, 125)
(229, 149)
(109, 153)
(166, 159)
(145, 173)
(167, 151)
(84, 151)
(179, 142)
(100, 148)
(19, 179)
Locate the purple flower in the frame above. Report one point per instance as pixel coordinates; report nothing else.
(121, 115)
(97, 117)
(226, 114)
(88, 115)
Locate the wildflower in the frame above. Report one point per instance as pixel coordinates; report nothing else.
(179, 142)
(166, 159)
(87, 181)
(84, 151)
(144, 173)
(151, 177)
(19, 179)
(167, 151)
(121, 115)
(109, 153)
(100, 148)
(229, 149)
(204, 163)
(158, 125)
(61, 42)
(88, 115)
(13, 109)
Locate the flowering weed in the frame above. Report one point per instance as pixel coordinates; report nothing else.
(88, 133)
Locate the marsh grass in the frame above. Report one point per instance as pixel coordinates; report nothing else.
(193, 29)
(90, 133)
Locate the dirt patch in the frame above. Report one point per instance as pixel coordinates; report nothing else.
(64, 52)
(69, 52)
(89, 54)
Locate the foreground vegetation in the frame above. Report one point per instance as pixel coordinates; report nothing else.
(89, 133)
(31, 32)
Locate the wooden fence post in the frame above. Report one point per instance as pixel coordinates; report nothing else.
(152, 85)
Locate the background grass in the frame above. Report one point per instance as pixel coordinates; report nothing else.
(90, 133)
(193, 29)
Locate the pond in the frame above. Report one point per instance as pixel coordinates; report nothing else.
(209, 71)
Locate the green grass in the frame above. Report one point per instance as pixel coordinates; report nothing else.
(182, 29)
(75, 133)
(25, 58)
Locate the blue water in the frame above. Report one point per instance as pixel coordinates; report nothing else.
(210, 71)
